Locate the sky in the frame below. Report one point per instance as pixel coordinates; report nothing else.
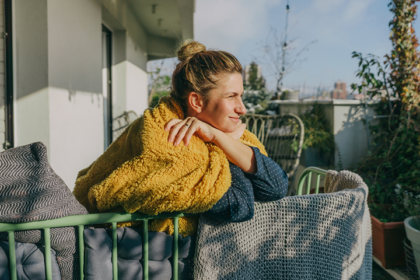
(337, 28)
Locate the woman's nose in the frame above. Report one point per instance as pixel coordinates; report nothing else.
(241, 109)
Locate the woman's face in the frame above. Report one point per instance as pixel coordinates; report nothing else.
(225, 103)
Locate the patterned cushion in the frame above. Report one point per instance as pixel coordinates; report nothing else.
(31, 191)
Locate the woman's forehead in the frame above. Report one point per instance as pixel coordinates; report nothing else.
(230, 82)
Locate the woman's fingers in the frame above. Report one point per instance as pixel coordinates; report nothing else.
(184, 127)
(190, 132)
(174, 129)
(171, 123)
(183, 130)
(177, 129)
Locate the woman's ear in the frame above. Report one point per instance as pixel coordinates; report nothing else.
(195, 102)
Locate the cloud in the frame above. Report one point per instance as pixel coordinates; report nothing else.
(227, 24)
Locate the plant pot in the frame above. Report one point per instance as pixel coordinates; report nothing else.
(413, 235)
(388, 243)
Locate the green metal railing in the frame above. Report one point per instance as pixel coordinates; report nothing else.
(307, 175)
(81, 221)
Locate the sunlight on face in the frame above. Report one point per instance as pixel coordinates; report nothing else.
(225, 103)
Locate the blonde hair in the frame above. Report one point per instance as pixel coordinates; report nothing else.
(198, 69)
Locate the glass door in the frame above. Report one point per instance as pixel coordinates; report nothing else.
(107, 84)
(6, 76)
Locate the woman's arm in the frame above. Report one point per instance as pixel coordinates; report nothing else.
(236, 152)
(270, 182)
(237, 204)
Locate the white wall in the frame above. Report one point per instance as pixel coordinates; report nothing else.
(350, 133)
(58, 83)
(130, 40)
(69, 124)
(31, 115)
(129, 88)
(32, 119)
(76, 131)
(74, 45)
(137, 91)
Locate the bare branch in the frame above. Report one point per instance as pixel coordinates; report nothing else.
(280, 58)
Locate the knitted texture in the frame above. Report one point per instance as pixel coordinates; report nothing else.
(142, 172)
(30, 191)
(323, 236)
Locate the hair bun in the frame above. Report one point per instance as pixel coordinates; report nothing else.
(189, 48)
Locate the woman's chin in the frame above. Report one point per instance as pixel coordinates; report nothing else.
(226, 129)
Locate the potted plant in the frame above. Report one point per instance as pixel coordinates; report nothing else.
(394, 157)
(412, 224)
(318, 144)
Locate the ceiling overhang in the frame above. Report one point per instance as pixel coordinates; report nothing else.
(167, 22)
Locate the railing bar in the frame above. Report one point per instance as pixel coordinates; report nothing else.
(300, 185)
(175, 254)
(308, 183)
(305, 174)
(318, 180)
(145, 250)
(81, 251)
(114, 251)
(47, 239)
(12, 255)
(88, 219)
(262, 130)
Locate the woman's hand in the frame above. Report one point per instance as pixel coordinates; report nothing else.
(240, 129)
(183, 130)
(236, 152)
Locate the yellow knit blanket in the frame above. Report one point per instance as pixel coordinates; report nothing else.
(142, 172)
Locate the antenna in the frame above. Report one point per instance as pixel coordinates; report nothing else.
(285, 42)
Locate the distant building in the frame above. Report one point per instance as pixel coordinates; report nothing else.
(339, 91)
(325, 95)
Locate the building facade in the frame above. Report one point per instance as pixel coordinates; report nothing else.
(76, 65)
(339, 91)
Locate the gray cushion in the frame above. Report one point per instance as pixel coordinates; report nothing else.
(30, 262)
(98, 254)
(4, 265)
(31, 191)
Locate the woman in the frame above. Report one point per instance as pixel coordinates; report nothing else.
(209, 86)
(190, 153)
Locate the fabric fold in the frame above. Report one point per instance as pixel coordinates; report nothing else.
(329, 233)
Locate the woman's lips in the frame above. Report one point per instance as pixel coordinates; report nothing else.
(235, 119)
